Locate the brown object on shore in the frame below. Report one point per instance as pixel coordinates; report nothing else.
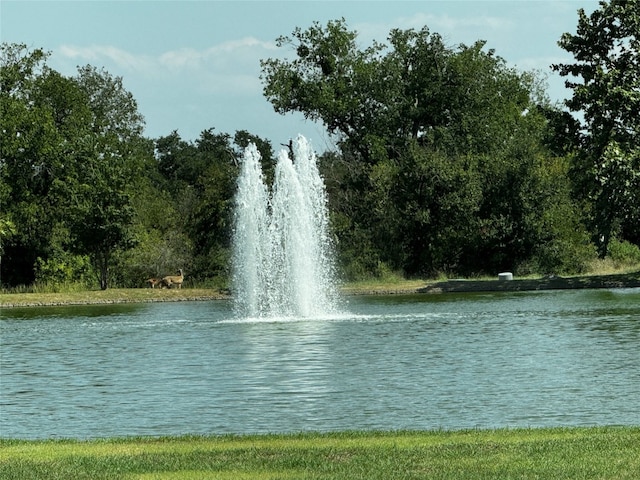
(170, 280)
(153, 282)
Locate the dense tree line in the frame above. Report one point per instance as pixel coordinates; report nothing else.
(86, 197)
(448, 161)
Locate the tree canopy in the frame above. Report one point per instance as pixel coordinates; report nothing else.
(448, 161)
(605, 80)
(71, 159)
(445, 145)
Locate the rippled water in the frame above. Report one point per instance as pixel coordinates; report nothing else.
(419, 362)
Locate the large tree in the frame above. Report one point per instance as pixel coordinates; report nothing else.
(31, 157)
(440, 146)
(71, 153)
(605, 80)
(109, 160)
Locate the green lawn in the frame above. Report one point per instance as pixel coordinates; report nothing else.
(562, 453)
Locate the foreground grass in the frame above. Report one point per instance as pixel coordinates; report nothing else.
(568, 453)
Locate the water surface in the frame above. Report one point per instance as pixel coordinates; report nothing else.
(396, 362)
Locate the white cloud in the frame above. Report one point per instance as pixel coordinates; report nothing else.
(179, 59)
(245, 49)
(447, 23)
(454, 29)
(237, 84)
(232, 53)
(230, 67)
(100, 53)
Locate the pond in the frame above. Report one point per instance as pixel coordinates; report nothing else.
(456, 361)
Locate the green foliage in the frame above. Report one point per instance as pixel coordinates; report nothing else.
(71, 150)
(624, 253)
(605, 80)
(200, 179)
(29, 151)
(357, 256)
(64, 268)
(101, 187)
(442, 152)
(424, 207)
(161, 246)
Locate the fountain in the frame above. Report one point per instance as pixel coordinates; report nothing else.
(282, 251)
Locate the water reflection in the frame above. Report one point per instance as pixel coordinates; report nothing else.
(450, 361)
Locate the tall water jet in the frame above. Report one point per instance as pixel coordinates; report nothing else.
(282, 251)
(251, 226)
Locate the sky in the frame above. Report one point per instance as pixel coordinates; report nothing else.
(195, 65)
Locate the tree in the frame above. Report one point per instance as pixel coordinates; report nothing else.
(19, 67)
(605, 80)
(242, 139)
(438, 144)
(7, 229)
(32, 155)
(201, 178)
(332, 81)
(209, 222)
(109, 160)
(71, 151)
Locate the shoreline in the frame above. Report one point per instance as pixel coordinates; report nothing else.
(621, 280)
(409, 287)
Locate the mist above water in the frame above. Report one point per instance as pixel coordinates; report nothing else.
(282, 255)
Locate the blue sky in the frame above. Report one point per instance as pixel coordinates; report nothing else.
(194, 65)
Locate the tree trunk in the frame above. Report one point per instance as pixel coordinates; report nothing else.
(101, 264)
(104, 278)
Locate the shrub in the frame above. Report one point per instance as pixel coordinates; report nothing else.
(624, 253)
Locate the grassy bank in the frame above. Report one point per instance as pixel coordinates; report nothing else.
(109, 296)
(389, 286)
(585, 453)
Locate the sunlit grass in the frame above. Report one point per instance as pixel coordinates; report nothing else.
(111, 295)
(599, 452)
(389, 285)
(608, 266)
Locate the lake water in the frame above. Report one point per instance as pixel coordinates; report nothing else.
(454, 361)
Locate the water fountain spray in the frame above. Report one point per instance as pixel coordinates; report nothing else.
(282, 251)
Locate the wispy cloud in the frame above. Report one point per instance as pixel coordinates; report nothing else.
(447, 23)
(237, 51)
(109, 54)
(248, 48)
(230, 68)
(455, 29)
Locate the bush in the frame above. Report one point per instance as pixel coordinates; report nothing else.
(624, 253)
(64, 268)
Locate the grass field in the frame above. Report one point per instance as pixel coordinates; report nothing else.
(561, 453)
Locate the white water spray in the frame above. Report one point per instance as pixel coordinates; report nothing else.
(282, 251)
